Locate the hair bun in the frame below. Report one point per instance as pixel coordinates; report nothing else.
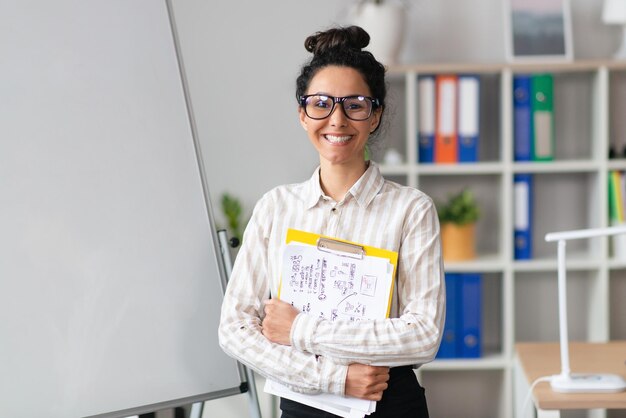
(353, 37)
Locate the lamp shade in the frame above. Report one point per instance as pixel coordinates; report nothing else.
(614, 11)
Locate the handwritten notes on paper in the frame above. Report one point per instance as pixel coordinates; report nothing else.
(333, 286)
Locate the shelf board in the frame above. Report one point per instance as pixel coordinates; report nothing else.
(476, 68)
(569, 166)
(482, 264)
(574, 262)
(489, 362)
(616, 264)
(617, 164)
(443, 169)
(460, 168)
(480, 168)
(591, 65)
(395, 170)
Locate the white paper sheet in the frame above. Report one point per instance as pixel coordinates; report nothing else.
(334, 287)
(346, 407)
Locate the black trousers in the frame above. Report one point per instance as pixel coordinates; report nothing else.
(404, 398)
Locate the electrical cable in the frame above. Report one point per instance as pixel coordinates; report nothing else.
(530, 391)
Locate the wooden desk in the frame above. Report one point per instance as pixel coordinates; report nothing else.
(542, 359)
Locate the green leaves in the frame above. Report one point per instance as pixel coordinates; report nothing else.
(231, 207)
(460, 209)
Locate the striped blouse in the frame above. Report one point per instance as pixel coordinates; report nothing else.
(374, 212)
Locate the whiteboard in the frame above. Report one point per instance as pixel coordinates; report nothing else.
(110, 281)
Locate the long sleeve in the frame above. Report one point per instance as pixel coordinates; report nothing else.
(242, 312)
(376, 213)
(413, 337)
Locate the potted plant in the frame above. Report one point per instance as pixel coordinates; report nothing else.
(231, 207)
(458, 216)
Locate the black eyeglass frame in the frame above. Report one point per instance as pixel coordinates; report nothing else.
(375, 104)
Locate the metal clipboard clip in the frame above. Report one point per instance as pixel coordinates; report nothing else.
(340, 248)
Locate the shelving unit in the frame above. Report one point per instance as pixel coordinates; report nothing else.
(571, 192)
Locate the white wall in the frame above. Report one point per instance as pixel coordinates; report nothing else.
(242, 58)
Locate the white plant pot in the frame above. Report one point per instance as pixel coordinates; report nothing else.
(385, 25)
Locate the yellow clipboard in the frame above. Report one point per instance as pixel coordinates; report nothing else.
(343, 248)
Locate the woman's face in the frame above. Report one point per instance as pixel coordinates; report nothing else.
(339, 140)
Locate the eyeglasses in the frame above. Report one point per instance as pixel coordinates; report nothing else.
(320, 106)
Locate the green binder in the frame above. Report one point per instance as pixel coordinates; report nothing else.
(543, 117)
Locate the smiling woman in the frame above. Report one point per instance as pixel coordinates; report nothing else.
(339, 133)
(341, 96)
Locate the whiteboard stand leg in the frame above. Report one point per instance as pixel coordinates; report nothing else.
(196, 410)
(225, 244)
(255, 410)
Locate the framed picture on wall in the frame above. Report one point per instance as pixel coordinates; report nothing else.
(538, 30)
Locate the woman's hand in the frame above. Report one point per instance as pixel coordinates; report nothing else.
(366, 382)
(279, 317)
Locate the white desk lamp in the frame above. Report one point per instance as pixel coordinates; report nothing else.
(614, 13)
(578, 382)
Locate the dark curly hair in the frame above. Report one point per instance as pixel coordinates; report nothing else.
(343, 47)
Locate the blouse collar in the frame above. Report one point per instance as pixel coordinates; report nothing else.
(364, 190)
